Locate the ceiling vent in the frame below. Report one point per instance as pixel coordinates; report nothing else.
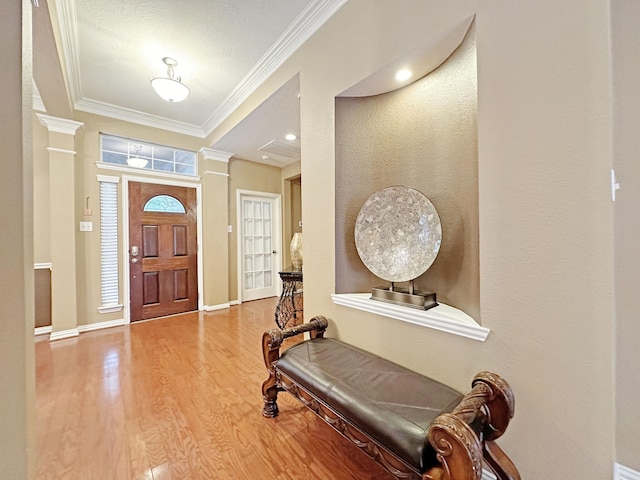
(282, 149)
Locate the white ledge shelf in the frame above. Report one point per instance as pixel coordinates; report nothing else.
(441, 317)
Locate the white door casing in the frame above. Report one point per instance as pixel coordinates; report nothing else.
(259, 229)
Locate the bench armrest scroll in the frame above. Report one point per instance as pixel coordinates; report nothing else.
(271, 343)
(463, 437)
(272, 339)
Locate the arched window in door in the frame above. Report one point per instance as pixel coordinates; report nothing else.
(164, 203)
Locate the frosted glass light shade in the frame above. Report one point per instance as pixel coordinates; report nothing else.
(169, 89)
(137, 162)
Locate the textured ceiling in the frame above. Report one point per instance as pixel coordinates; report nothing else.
(259, 136)
(224, 49)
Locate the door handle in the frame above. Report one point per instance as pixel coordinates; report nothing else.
(274, 252)
(134, 260)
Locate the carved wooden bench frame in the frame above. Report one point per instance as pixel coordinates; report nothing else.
(486, 409)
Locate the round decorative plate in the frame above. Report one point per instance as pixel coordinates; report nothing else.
(398, 234)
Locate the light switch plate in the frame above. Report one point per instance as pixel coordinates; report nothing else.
(86, 226)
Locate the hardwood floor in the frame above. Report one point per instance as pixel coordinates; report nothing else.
(178, 398)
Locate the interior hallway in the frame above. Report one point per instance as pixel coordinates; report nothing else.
(178, 398)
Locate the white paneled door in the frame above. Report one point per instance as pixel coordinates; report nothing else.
(259, 246)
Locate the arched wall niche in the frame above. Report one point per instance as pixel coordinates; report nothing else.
(424, 136)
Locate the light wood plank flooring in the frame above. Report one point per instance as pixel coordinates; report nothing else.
(178, 398)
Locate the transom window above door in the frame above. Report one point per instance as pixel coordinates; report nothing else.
(164, 203)
(128, 152)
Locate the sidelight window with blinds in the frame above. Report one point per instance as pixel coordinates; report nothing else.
(109, 284)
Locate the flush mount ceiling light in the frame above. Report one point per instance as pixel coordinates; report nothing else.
(290, 136)
(170, 88)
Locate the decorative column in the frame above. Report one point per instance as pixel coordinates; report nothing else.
(62, 216)
(215, 208)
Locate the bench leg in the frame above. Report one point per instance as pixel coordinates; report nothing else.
(270, 397)
(435, 473)
(500, 462)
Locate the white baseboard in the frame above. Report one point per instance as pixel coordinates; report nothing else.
(620, 472)
(62, 334)
(74, 332)
(42, 330)
(212, 308)
(234, 302)
(100, 325)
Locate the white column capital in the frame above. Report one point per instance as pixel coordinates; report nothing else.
(218, 155)
(59, 125)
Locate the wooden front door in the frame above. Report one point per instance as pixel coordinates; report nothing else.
(163, 254)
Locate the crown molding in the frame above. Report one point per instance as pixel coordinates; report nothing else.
(620, 472)
(217, 155)
(133, 116)
(301, 29)
(68, 24)
(59, 125)
(38, 104)
(315, 14)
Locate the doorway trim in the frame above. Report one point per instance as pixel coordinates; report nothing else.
(125, 235)
(277, 237)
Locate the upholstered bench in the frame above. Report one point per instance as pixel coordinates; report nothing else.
(414, 426)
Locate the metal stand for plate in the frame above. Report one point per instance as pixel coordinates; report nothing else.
(409, 297)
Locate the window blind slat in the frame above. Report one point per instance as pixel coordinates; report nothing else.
(109, 243)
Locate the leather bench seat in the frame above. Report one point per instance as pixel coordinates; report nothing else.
(392, 404)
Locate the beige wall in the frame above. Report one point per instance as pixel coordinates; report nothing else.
(546, 248)
(63, 179)
(88, 243)
(41, 252)
(626, 110)
(255, 177)
(291, 207)
(219, 181)
(545, 218)
(17, 415)
(87, 252)
(215, 186)
(423, 136)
